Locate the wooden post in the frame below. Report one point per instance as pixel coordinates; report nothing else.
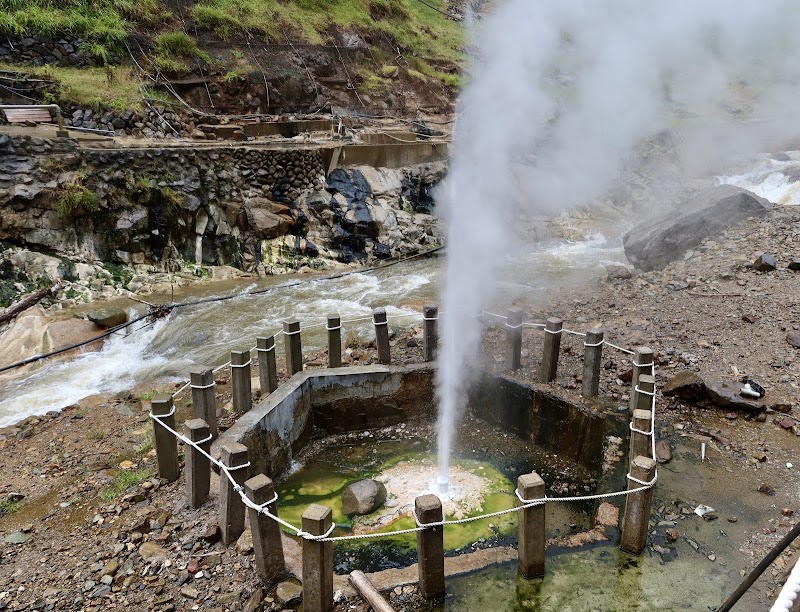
(231, 506)
(642, 364)
(166, 444)
(430, 547)
(381, 323)
(204, 401)
(240, 381)
(592, 360)
(552, 346)
(293, 346)
(267, 368)
(198, 467)
(640, 443)
(317, 560)
(636, 521)
(430, 319)
(267, 545)
(531, 527)
(334, 328)
(514, 333)
(368, 592)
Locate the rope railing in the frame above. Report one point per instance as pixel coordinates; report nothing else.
(327, 537)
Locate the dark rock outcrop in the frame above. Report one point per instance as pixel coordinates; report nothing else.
(653, 244)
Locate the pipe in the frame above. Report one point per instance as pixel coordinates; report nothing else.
(759, 569)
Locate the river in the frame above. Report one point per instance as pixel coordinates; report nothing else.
(205, 334)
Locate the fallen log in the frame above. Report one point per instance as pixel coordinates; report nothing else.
(368, 592)
(25, 303)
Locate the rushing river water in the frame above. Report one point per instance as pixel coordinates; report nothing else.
(205, 334)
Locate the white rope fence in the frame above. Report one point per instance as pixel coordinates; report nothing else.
(789, 592)
(524, 503)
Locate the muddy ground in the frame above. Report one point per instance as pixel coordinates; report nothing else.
(87, 525)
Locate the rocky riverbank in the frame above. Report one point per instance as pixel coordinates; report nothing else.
(84, 499)
(104, 223)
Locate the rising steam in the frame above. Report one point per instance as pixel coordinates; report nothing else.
(562, 92)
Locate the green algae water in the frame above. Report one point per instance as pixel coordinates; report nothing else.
(405, 474)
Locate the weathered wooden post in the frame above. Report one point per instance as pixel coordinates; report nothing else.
(165, 442)
(198, 467)
(514, 333)
(641, 421)
(642, 364)
(204, 402)
(293, 346)
(334, 328)
(381, 323)
(531, 526)
(240, 381)
(231, 507)
(317, 560)
(267, 368)
(552, 346)
(430, 547)
(430, 318)
(592, 360)
(640, 442)
(636, 521)
(267, 545)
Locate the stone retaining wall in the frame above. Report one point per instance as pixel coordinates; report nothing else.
(258, 209)
(350, 399)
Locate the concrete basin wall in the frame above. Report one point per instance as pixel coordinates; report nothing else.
(343, 400)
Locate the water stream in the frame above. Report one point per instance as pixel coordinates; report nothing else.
(204, 335)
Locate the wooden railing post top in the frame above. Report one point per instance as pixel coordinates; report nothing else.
(430, 309)
(200, 371)
(291, 325)
(529, 481)
(315, 517)
(644, 463)
(643, 351)
(514, 317)
(240, 356)
(161, 404)
(230, 451)
(428, 503)
(554, 323)
(195, 425)
(379, 315)
(265, 342)
(334, 318)
(595, 332)
(259, 488)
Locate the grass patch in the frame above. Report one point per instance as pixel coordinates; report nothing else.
(123, 481)
(97, 434)
(8, 505)
(146, 445)
(74, 199)
(88, 86)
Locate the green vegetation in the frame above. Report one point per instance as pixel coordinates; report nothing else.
(146, 445)
(123, 481)
(75, 198)
(173, 47)
(88, 86)
(8, 505)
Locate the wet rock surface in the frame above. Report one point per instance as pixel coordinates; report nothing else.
(363, 497)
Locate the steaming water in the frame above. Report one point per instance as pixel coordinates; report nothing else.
(561, 93)
(776, 180)
(205, 334)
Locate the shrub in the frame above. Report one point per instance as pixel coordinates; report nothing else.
(74, 197)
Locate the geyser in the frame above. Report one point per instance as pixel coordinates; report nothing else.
(561, 93)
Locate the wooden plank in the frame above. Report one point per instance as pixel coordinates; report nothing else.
(20, 115)
(369, 593)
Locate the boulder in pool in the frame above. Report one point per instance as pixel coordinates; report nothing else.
(363, 497)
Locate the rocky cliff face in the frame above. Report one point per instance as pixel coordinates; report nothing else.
(169, 209)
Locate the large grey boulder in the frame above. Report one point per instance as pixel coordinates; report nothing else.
(653, 244)
(363, 497)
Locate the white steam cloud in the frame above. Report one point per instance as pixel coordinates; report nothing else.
(560, 96)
